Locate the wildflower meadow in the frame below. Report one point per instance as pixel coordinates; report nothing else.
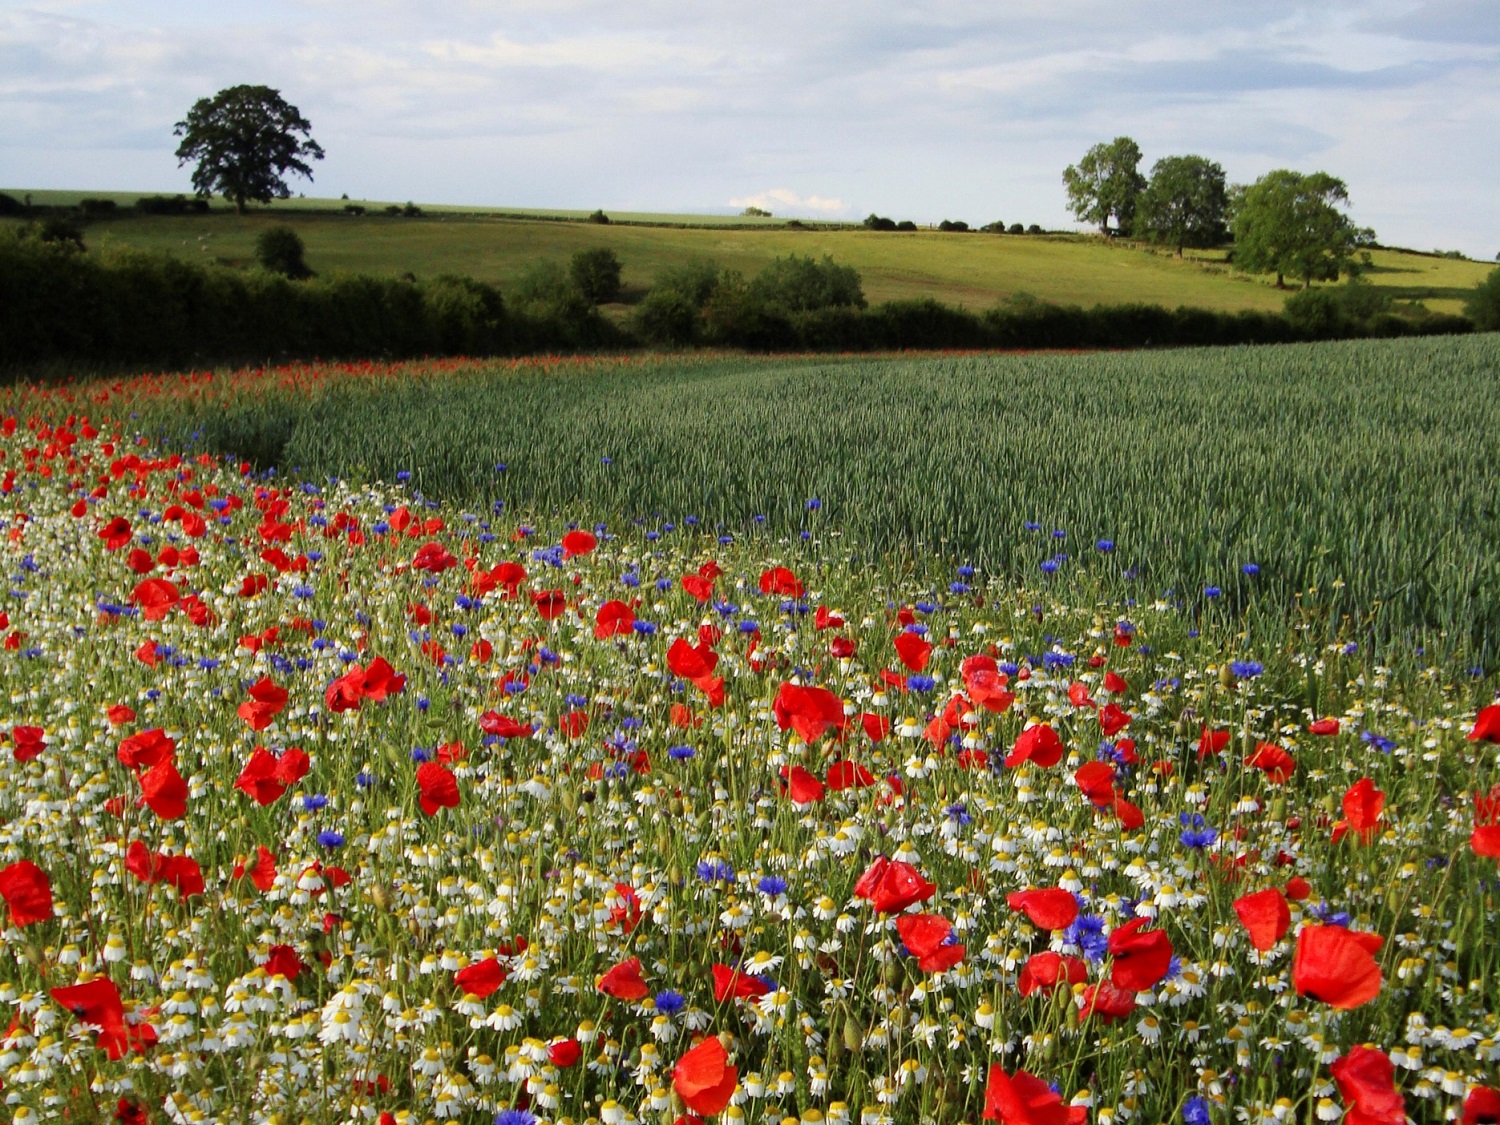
(323, 801)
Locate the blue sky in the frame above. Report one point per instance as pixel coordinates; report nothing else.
(949, 109)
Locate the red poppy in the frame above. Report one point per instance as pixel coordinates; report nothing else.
(1367, 1083)
(1265, 915)
(438, 788)
(156, 597)
(263, 874)
(265, 777)
(849, 775)
(876, 727)
(164, 791)
(699, 587)
(1298, 888)
(1487, 725)
(1485, 841)
(623, 981)
(98, 1004)
(27, 892)
(1115, 684)
(1113, 719)
(1038, 744)
(1078, 695)
(128, 1112)
(433, 558)
(890, 886)
(116, 533)
(1141, 957)
(987, 689)
(914, 651)
(550, 604)
(802, 787)
(1129, 815)
(1363, 804)
(613, 619)
(703, 1078)
(265, 702)
(1097, 780)
(492, 722)
(1482, 1106)
(1274, 761)
(119, 715)
(27, 743)
(1047, 908)
(146, 654)
(691, 662)
(808, 710)
(1324, 727)
(1045, 971)
(1107, 1001)
(779, 580)
(1212, 742)
(1024, 1099)
(283, 962)
(733, 983)
(481, 978)
(563, 1053)
(380, 680)
(1337, 966)
(577, 543)
(926, 937)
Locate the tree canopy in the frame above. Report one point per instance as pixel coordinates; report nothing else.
(245, 140)
(1186, 203)
(1106, 184)
(1290, 224)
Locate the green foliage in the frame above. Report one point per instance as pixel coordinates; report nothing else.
(1291, 225)
(671, 312)
(245, 140)
(1017, 228)
(876, 222)
(598, 217)
(755, 213)
(280, 250)
(1106, 184)
(803, 284)
(953, 225)
(1186, 203)
(1483, 306)
(596, 273)
(170, 205)
(906, 224)
(91, 208)
(1368, 463)
(10, 205)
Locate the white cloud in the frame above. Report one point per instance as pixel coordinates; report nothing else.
(782, 200)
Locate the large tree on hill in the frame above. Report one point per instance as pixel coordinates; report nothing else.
(1291, 224)
(245, 140)
(1185, 204)
(1106, 184)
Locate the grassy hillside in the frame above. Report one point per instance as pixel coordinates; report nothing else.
(974, 270)
(1354, 474)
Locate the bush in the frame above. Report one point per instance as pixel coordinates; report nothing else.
(171, 205)
(906, 224)
(353, 209)
(1483, 305)
(279, 249)
(10, 205)
(598, 217)
(97, 208)
(411, 211)
(671, 312)
(465, 316)
(801, 284)
(953, 225)
(596, 273)
(61, 230)
(1338, 310)
(755, 213)
(875, 222)
(1035, 228)
(1017, 228)
(997, 227)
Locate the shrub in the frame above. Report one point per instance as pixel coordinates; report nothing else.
(1017, 228)
(876, 222)
(671, 312)
(755, 213)
(393, 209)
(97, 208)
(598, 217)
(279, 249)
(924, 323)
(906, 224)
(411, 211)
(10, 205)
(353, 209)
(464, 316)
(596, 273)
(171, 205)
(1035, 228)
(1483, 305)
(801, 284)
(1335, 310)
(953, 225)
(997, 227)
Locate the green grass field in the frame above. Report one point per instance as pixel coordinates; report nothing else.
(1362, 478)
(974, 270)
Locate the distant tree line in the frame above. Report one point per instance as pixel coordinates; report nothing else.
(1287, 223)
(62, 306)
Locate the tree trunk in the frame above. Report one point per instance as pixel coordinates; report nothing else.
(1280, 280)
(239, 205)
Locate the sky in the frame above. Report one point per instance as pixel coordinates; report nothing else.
(947, 109)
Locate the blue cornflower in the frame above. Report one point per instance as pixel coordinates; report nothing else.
(515, 1117)
(1252, 569)
(1211, 591)
(919, 682)
(1195, 1111)
(681, 753)
(663, 584)
(631, 579)
(1087, 932)
(959, 813)
(1057, 659)
(966, 571)
(1380, 742)
(1032, 525)
(1349, 649)
(715, 870)
(331, 839)
(1049, 566)
(313, 802)
(669, 1002)
(958, 587)
(771, 885)
(1105, 545)
(813, 504)
(364, 780)
(1059, 533)
(1196, 833)
(1246, 669)
(644, 628)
